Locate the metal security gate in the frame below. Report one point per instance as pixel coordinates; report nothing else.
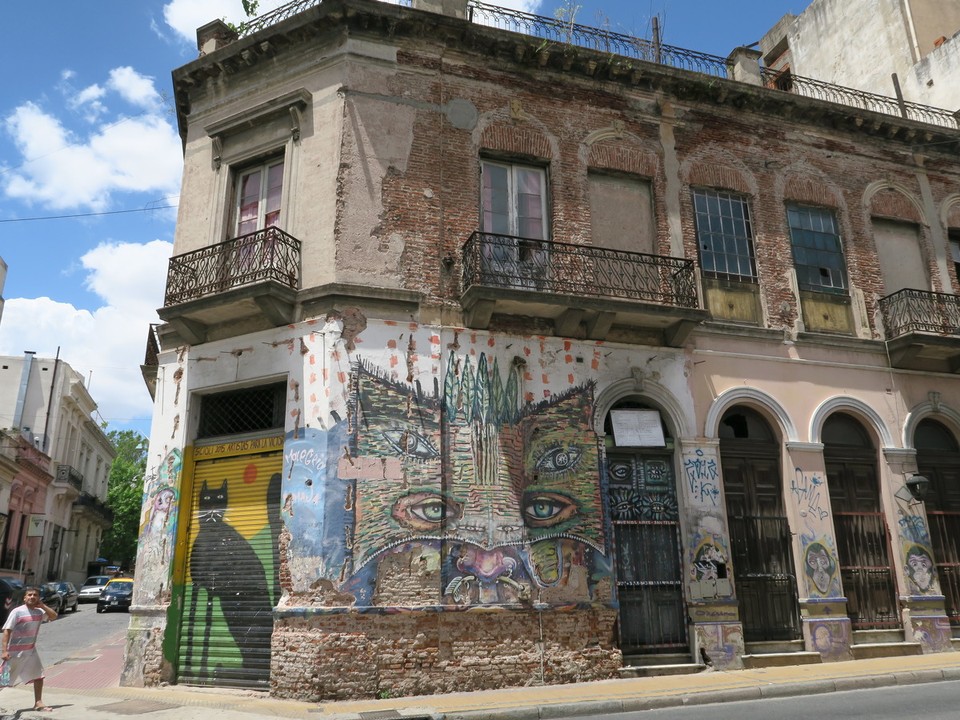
(231, 583)
(643, 508)
(938, 459)
(760, 542)
(863, 543)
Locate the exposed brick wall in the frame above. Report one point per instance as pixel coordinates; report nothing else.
(574, 125)
(890, 203)
(356, 655)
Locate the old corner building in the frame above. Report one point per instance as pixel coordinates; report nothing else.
(490, 354)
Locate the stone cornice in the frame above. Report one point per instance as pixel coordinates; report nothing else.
(525, 53)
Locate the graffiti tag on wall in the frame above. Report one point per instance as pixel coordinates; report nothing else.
(808, 490)
(703, 477)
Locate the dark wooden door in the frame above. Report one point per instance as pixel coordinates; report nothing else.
(863, 539)
(761, 548)
(646, 528)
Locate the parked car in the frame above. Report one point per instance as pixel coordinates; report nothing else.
(51, 597)
(116, 595)
(92, 586)
(11, 595)
(71, 598)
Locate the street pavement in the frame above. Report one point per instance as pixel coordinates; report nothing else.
(87, 688)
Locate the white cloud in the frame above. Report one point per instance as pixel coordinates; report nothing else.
(138, 154)
(135, 88)
(104, 345)
(89, 94)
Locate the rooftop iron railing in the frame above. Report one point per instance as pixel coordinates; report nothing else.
(269, 254)
(808, 87)
(601, 39)
(504, 261)
(910, 311)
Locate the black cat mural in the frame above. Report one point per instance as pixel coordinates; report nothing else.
(227, 571)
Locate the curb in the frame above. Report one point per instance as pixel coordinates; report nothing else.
(707, 697)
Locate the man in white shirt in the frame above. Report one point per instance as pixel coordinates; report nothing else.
(20, 654)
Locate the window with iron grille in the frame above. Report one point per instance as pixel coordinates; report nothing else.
(817, 252)
(242, 411)
(724, 235)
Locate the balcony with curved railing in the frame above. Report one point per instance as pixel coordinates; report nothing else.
(254, 276)
(922, 330)
(574, 285)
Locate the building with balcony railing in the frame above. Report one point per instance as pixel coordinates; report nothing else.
(637, 351)
(61, 451)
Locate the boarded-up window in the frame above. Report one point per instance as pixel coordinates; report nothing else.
(901, 262)
(621, 213)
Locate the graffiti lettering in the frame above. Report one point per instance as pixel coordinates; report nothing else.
(310, 457)
(702, 475)
(912, 527)
(808, 491)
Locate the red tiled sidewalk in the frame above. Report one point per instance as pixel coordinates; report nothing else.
(102, 671)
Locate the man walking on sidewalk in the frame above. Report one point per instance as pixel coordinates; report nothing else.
(20, 654)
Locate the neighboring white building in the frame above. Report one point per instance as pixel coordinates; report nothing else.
(861, 43)
(53, 471)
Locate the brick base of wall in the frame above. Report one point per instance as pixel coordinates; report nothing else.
(350, 655)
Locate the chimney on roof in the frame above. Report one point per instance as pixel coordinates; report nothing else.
(744, 65)
(453, 8)
(213, 36)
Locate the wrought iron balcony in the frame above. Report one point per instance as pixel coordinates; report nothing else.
(69, 476)
(922, 329)
(574, 284)
(151, 360)
(268, 254)
(255, 276)
(94, 506)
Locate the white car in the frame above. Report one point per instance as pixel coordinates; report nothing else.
(92, 587)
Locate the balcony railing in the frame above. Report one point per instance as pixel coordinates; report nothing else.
(561, 31)
(504, 261)
(808, 87)
(910, 311)
(264, 255)
(150, 355)
(69, 475)
(95, 504)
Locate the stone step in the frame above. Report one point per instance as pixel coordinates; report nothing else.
(658, 659)
(639, 671)
(781, 659)
(862, 651)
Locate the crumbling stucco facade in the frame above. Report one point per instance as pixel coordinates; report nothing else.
(515, 412)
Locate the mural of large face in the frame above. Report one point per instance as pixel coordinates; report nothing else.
(820, 567)
(919, 568)
(508, 495)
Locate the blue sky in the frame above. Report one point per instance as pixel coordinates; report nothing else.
(87, 131)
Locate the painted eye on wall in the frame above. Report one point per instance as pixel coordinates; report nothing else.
(559, 459)
(547, 509)
(411, 444)
(424, 510)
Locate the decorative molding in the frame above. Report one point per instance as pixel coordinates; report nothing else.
(749, 396)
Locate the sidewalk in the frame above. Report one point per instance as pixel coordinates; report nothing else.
(87, 688)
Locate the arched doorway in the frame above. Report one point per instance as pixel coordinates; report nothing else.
(760, 542)
(938, 459)
(863, 539)
(642, 497)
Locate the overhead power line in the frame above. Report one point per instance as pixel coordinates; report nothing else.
(82, 215)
